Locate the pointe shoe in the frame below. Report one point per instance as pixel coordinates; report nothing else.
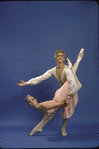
(63, 132)
(69, 64)
(35, 131)
(80, 55)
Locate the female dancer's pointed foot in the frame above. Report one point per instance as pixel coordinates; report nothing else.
(80, 55)
(35, 131)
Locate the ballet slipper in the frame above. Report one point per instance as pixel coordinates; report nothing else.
(63, 131)
(80, 55)
(36, 130)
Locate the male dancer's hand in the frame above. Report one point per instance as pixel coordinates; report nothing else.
(23, 83)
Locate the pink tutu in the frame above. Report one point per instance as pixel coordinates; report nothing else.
(69, 110)
(60, 95)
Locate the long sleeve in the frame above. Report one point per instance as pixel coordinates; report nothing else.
(40, 78)
(72, 82)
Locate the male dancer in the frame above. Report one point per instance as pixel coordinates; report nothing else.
(63, 75)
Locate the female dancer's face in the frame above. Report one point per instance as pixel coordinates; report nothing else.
(31, 100)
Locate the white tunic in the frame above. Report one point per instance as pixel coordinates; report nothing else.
(66, 75)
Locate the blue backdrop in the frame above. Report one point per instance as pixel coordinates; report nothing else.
(31, 32)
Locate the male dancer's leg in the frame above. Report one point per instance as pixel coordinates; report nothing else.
(39, 127)
(74, 69)
(63, 129)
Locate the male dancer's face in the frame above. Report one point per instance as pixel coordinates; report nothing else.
(60, 58)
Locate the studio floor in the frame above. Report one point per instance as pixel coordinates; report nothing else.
(18, 137)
